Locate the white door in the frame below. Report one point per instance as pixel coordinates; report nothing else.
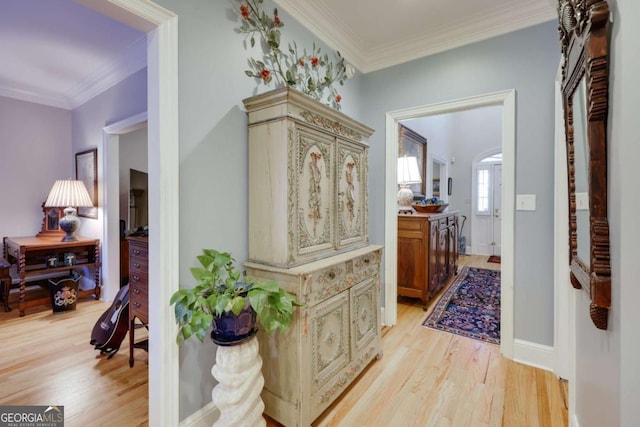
(497, 209)
(488, 209)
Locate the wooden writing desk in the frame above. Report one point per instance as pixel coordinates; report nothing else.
(30, 255)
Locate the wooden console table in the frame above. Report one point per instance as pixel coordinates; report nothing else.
(427, 253)
(30, 254)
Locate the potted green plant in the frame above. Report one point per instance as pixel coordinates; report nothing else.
(221, 301)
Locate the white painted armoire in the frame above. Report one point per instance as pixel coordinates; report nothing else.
(308, 229)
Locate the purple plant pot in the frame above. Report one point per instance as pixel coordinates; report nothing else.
(229, 329)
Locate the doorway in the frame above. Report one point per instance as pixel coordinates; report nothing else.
(162, 88)
(506, 99)
(486, 219)
(439, 178)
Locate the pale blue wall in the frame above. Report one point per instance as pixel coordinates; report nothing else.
(526, 61)
(213, 152)
(624, 205)
(607, 384)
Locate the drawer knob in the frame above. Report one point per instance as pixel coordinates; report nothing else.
(332, 275)
(137, 252)
(136, 278)
(367, 260)
(136, 291)
(136, 265)
(136, 304)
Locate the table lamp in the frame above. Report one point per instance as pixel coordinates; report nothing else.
(408, 173)
(69, 194)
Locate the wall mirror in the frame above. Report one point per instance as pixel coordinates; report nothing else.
(584, 26)
(413, 144)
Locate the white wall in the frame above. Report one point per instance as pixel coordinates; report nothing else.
(35, 150)
(474, 132)
(463, 135)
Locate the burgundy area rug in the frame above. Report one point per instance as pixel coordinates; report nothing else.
(470, 306)
(495, 259)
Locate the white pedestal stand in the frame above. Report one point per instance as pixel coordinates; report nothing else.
(240, 382)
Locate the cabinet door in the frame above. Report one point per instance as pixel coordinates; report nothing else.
(452, 250)
(329, 338)
(313, 174)
(352, 194)
(411, 259)
(364, 314)
(443, 245)
(434, 265)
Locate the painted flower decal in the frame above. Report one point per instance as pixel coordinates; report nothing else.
(309, 72)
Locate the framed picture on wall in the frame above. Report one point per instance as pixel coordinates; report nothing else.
(87, 172)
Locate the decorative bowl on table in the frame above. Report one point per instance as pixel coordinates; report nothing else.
(430, 208)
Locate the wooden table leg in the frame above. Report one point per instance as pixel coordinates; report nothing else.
(132, 327)
(97, 271)
(23, 282)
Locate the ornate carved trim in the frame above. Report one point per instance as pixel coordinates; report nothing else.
(346, 378)
(583, 28)
(331, 125)
(599, 316)
(291, 185)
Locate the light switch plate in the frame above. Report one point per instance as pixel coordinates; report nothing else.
(582, 201)
(525, 202)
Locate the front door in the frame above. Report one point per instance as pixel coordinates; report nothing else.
(497, 210)
(488, 209)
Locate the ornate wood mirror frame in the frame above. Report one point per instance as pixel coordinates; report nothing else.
(585, 82)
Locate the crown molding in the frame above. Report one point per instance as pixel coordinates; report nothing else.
(132, 60)
(51, 100)
(323, 24)
(335, 33)
(472, 30)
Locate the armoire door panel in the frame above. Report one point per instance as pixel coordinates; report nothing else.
(329, 338)
(314, 178)
(364, 312)
(352, 194)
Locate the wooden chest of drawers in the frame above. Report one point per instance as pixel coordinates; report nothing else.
(138, 288)
(427, 253)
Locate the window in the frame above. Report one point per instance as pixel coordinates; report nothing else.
(483, 207)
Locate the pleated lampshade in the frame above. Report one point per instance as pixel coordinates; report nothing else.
(68, 193)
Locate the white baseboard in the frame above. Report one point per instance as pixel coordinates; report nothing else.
(204, 417)
(573, 421)
(532, 354)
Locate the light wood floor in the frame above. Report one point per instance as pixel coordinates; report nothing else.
(425, 377)
(46, 359)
